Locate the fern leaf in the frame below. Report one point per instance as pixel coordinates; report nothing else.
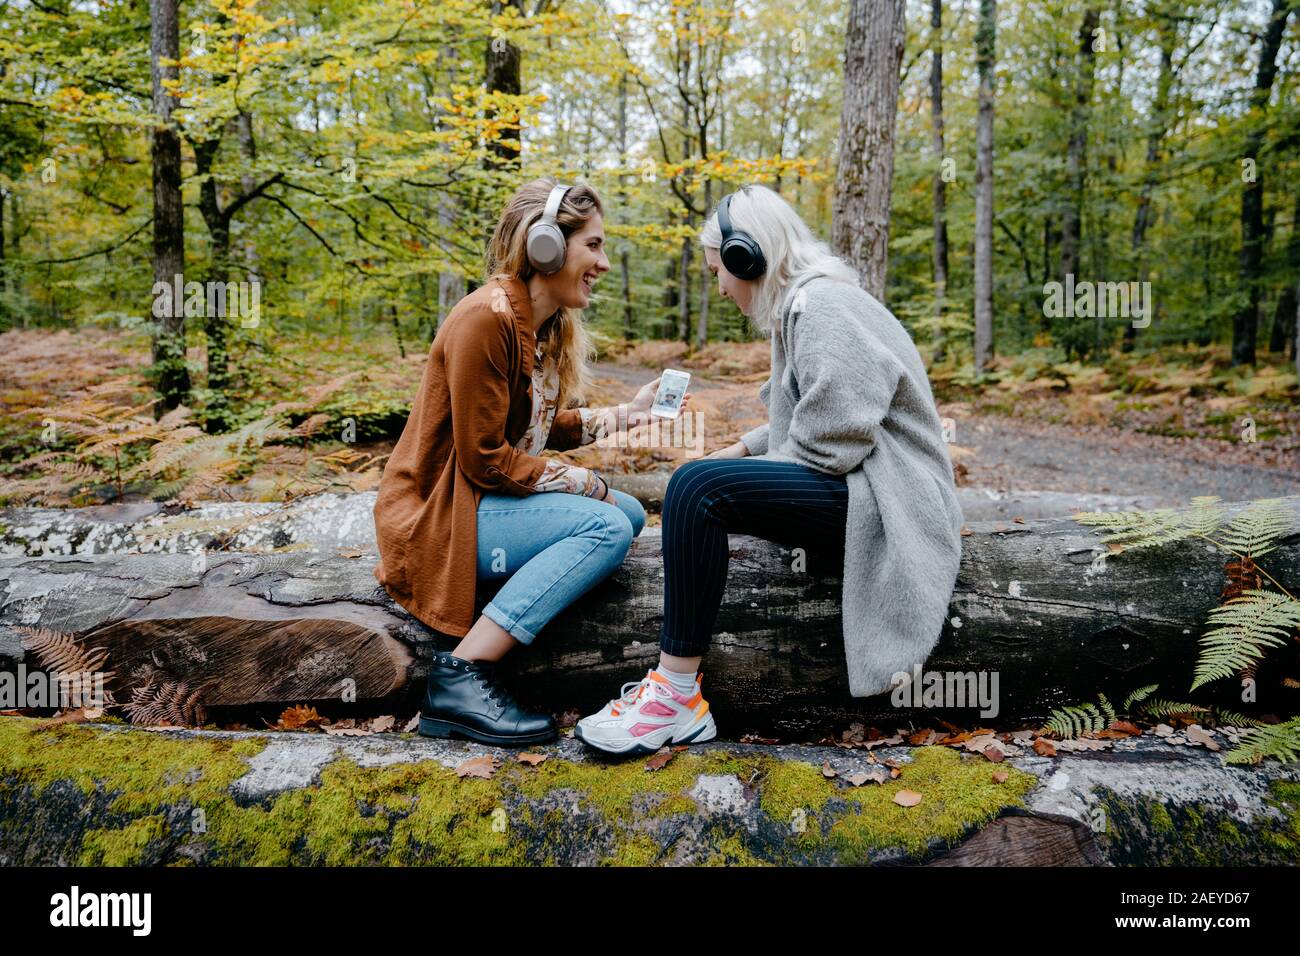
(1139, 695)
(1106, 709)
(1247, 625)
(1280, 741)
(1165, 709)
(1231, 718)
(1258, 529)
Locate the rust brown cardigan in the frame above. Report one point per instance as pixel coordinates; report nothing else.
(474, 404)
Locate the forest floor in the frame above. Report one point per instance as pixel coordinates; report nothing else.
(1172, 424)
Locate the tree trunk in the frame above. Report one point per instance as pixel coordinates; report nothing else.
(248, 149)
(1245, 323)
(1167, 30)
(215, 328)
(702, 327)
(173, 378)
(684, 280)
(873, 54)
(223, 629)
(1295, 327)
(625, 268)
(670, 289)
(985, 44)
(4, 265)
(1077, 148)
(502, 75)
(940, 214)
(1280, 336)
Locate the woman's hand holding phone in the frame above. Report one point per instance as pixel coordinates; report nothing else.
(638, 410)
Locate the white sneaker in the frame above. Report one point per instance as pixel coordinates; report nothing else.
(649, 714)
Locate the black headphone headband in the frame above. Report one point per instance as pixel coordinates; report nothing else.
(724, 218)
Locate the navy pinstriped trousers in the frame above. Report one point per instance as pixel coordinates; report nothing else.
(706, 500)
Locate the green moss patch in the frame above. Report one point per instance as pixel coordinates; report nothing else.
(136, 797)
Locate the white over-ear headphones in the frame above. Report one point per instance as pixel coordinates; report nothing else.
(546, 243)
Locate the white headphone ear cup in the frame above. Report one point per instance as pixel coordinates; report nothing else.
(546, 247)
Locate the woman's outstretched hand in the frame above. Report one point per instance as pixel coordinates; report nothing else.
(734, 450)
(638, 410)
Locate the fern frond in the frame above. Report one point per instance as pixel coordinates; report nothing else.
(60, 651)
(1247, 625)
(1258, 529)
(1106, 709)
(1166, 709)
(1206, 515)
(1069, 722)
(1131, 530)
(1280, 741)
(171, 702)
(1233, 719)
(1139, 695)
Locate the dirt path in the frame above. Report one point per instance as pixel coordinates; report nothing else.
(1013, 454)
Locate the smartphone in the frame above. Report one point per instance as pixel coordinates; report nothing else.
(672, 390)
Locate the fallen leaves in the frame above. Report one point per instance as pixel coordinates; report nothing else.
(483, 767)
(298, 718)
(860, 736)
(1193, 735)
(73, 715)
(662, 757)
(872, 775)
(907, 798)
(351, 727)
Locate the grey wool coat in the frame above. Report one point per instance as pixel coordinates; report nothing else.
(848, 395)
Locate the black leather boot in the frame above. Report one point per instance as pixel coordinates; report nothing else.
(463, 699)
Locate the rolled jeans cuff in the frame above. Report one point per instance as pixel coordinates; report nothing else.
(501, 619)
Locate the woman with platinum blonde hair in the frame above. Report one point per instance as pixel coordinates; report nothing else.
(851, 468)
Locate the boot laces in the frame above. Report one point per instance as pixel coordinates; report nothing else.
(486, 678)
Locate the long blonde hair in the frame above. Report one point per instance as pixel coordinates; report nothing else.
(563, 337)
(788, 245)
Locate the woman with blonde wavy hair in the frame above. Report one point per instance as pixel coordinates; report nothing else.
(467, 495)
(851, 469)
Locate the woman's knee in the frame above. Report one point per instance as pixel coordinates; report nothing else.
(612, 525)
(634, 510)
(696, 484)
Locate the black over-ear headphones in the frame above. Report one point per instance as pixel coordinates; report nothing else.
(740, 252)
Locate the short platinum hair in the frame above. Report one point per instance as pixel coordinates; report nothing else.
(788, 245)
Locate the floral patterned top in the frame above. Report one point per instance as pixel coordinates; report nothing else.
(596, 424)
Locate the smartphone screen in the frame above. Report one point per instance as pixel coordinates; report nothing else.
(672, 390)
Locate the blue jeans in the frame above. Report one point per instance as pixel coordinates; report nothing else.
(553, 547)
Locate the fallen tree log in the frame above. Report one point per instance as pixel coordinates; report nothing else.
(120, 796)
(326, 521)
(189, 631)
